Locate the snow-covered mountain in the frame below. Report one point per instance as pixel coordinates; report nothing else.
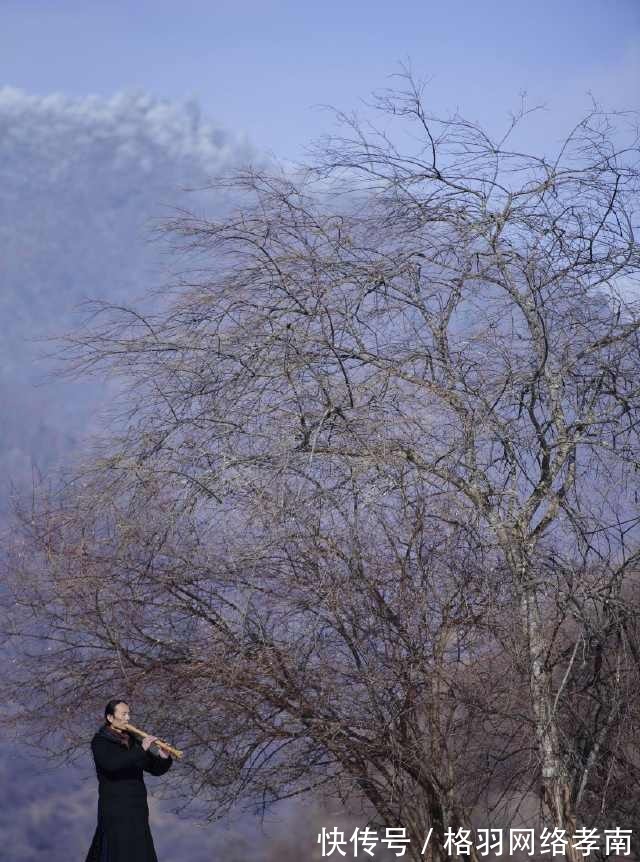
(82, 183)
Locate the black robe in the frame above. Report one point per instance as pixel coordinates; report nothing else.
(122, 833)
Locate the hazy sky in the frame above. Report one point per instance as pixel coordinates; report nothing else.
(263, 67)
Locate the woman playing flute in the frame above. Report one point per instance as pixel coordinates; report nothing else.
(123, 833)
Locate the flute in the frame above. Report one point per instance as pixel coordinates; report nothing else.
(174, 752)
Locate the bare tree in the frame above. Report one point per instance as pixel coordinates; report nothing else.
(382, 446)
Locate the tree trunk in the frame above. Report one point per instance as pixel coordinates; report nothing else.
(555, 788)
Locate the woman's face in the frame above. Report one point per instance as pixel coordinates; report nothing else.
(120, 717)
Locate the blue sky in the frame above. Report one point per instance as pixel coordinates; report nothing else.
(264, 67)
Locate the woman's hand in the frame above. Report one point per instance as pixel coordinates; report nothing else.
(149, 740)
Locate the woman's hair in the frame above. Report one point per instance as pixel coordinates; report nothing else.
(110, 708)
